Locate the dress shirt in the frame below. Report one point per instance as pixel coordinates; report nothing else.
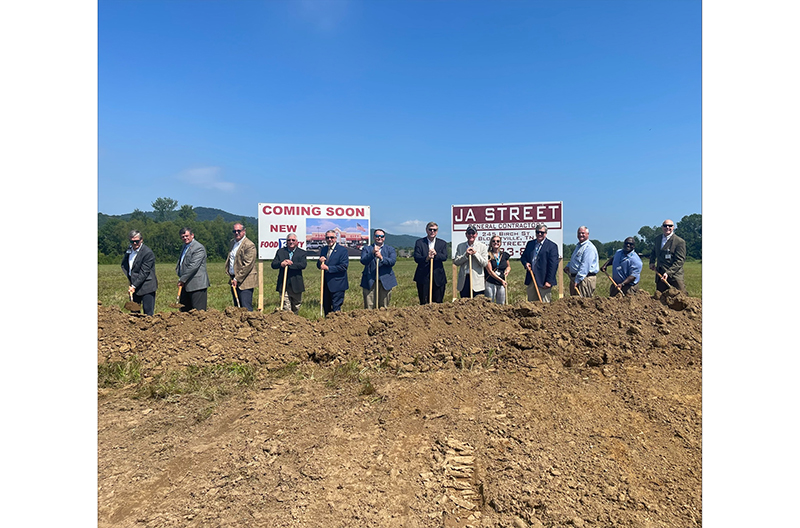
(626, 265)
(131, 258)
(234, 249)
(584, 261)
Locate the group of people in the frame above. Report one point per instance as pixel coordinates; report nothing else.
(482, 270)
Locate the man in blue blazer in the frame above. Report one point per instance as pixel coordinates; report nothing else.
(139, 265)
(541, 256)
(333, 259)
(427, 249)
(384, 257)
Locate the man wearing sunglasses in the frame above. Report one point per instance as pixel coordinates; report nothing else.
(139, 265)
(384, 257)
(626, 269)
(540, 257)
(334, 260)
(667, 258)
(426, 250)
(242, 268)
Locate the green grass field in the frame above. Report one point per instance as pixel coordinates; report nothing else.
(112, 285)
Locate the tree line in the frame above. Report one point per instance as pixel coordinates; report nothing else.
(160, 233)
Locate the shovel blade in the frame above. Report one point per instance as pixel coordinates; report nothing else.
(133, 307)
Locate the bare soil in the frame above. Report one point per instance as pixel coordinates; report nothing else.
(586, 412)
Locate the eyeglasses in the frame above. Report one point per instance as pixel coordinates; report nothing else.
(629, 244)
(495, 242)
(136, 241)
(432, 229)
(667, 225)
(291, 240)
(330, 238)
(237, 231)
(379, 236)
(541, 232)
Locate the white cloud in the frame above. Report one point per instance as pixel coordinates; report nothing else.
(413, 224)
(207, 178)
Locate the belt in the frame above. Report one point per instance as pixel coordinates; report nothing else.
(588, 274)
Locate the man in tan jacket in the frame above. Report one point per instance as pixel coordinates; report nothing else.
(241, 267)
(667, 258)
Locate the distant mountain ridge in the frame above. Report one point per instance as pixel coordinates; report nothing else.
(203, 214)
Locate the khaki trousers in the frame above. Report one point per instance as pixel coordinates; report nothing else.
(384, 297)
(544, 292)
(585, 288)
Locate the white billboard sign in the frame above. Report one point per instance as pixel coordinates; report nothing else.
(310, 222)
(514, 223)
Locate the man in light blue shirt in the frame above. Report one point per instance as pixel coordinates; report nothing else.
(627, 269)
(583, 266)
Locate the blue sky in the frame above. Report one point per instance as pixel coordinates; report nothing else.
(408, 107)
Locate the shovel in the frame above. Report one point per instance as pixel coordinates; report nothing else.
(321, 292)
(283, 288)
(177, 303)
(430, 286)
(614, 283)
(470, 276)
(236, 296)
(132, 306)
(535, 285)
(377, 281)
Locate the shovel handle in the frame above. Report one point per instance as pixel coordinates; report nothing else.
(535, 285)
(614, 283)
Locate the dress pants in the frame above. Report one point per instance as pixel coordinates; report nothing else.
(148, 302)
(422, 292)
(245, 298)
(331, 301)
(197, 300)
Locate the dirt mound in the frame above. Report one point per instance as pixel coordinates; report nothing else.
(585, 412)
(579, 331)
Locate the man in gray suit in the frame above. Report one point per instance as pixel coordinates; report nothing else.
(192, 275)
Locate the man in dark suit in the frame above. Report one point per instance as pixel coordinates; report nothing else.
(541, 257)
(426, 250)
(139, 265)
(384, 256)
(292, 261)
(667, 258)
(192, 275)
(334, 260)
